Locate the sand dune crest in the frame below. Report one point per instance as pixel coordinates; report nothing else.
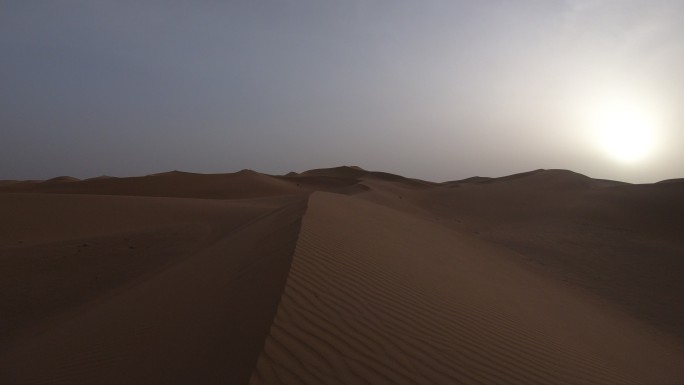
(377, 296)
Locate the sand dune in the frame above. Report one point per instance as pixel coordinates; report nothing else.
(140, 290)
(242, 184)
(623, 242)
(358, 174)
(545, 277)
(377, 296)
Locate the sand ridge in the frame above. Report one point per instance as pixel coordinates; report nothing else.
(376, 296)
(237, 185)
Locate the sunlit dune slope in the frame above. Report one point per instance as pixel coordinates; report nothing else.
(375, 295)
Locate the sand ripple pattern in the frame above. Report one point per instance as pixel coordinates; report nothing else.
(378, 297)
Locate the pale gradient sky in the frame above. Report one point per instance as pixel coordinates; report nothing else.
(430, 89)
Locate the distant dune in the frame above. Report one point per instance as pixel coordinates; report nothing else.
(677, 180)
(546, 277)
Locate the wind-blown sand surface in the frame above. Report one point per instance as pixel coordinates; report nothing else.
(377, 296)
(541, 277)
(140, 290)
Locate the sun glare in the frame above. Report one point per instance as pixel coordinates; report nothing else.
(625, 131)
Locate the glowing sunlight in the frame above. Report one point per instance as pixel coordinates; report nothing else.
(625, 130)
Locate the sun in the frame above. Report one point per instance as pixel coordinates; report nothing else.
(625, 131)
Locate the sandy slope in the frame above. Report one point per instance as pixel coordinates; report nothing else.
(622, 242)
(106, 289)
(377, 296)
(540, 277)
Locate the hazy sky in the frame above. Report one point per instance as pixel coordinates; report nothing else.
(430, 89)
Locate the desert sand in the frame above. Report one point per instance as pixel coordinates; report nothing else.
(341, 276)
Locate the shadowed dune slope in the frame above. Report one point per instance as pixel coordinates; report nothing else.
(375, 295)
(107, 289)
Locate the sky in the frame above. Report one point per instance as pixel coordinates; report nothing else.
(432, 89)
